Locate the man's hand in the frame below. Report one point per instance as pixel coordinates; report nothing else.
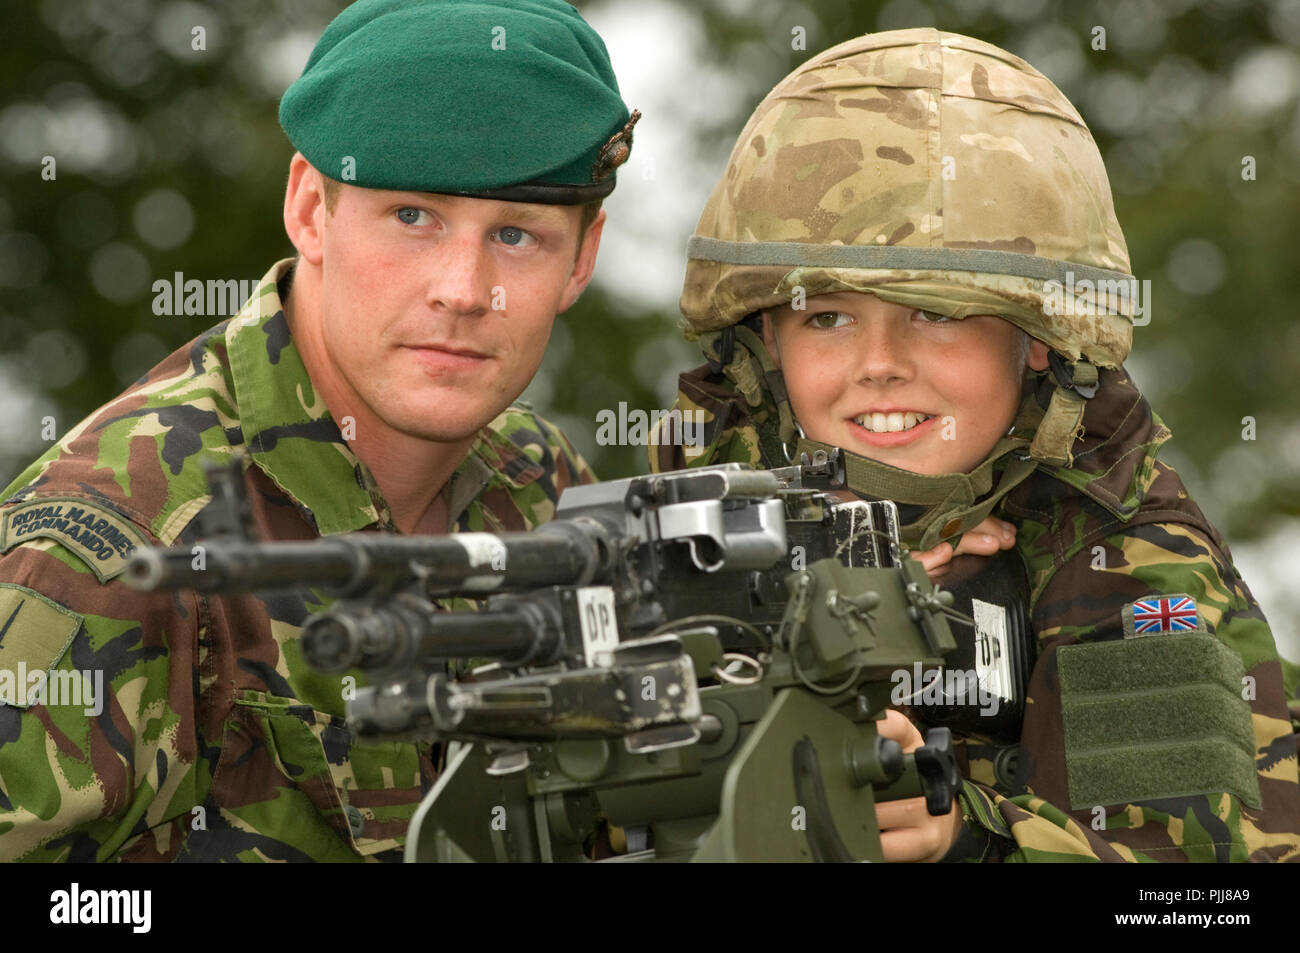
(984, 540)
(907, 831)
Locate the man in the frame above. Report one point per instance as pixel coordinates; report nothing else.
(444, 201)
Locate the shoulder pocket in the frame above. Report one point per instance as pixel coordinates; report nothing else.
(35, 632)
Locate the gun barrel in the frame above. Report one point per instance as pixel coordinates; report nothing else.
(555, 554)
(238, 567)
(410, 630)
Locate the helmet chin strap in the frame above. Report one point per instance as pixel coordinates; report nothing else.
(954, 502)
(1062, 424)
(738, 353)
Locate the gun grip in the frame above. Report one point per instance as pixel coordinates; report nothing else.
(937, 766)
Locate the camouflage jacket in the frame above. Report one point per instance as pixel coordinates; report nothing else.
(1116, 527)
(197, 732)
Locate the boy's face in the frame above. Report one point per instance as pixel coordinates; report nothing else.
(865, 374)
(435, 310)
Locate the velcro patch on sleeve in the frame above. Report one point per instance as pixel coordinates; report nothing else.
(35, 632)
(102, 539)
(1156, 717)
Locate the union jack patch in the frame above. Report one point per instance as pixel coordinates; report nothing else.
(1157, 614)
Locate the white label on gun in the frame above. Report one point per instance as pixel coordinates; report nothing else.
(992, 649)
(599, 624)
(483, 549)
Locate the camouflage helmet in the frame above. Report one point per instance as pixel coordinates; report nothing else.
(935, 171)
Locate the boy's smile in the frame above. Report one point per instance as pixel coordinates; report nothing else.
(910, 388)
(886, 428)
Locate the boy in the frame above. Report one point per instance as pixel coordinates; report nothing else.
(914, 256)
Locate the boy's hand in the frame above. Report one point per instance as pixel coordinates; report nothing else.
(984, 540)
(907, 831)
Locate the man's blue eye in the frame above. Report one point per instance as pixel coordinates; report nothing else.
(933, 317)
(409, 216)
(511, 235)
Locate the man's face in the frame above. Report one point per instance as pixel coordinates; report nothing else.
(909, 388)
(435, 310)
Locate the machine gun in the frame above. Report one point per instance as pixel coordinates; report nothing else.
(696, 658)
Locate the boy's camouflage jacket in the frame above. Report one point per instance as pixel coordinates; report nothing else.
(210, 739)
(1118, 500)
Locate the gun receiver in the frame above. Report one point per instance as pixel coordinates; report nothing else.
(693, 657)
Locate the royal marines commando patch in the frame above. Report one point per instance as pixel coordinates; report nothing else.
(101, 538)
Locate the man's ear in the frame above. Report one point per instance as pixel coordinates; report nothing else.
(769, 340)
(304, 208)
(584, 264)
(1037, 358)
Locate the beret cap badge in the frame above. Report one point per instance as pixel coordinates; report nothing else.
(616, 151)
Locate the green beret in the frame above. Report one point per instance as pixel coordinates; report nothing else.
(507, 99)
